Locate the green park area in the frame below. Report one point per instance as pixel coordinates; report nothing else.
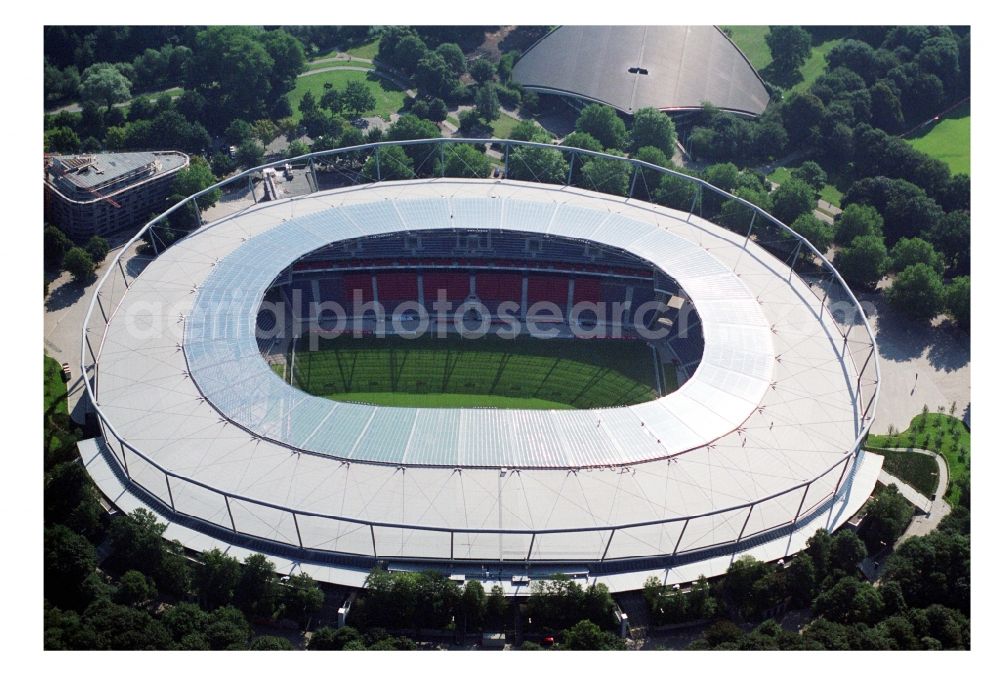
(388, 96)
(949, 139)
(829, 192)
(938, 432)
(753, 43)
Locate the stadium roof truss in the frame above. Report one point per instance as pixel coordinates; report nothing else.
(759, 446)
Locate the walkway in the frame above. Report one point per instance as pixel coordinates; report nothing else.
(933, 511)
(395, 79)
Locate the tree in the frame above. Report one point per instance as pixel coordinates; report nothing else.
(238, 131)
(271, 643)
(487, 103)
(819, 233)
(134, 589)
(864, 261)
(391, 164)
(910, 251)
(850, 601)
(790, 47)
(846, 552)
(216, 579)
(650, 127)
(453, 56)
(791, 199)
(69, 560)
(137, 540)
(606, 175)
(473, 605)
(61, 139)
(585, 635)
(527, 130)
(496, 607)
(98, 248)
(227, 629)
(950, 236)
(302, 597)
(603, 123)
(888, 515)
(250, 153)
(257, 591)
(56, 244)
(856, 220)
(72, 500)
(357, 99)
(435, 77)
(800, 577)
(957, 299)
(538, 164)
(194, 178)
(104, 84)
(464, 161)
(887, 112)
(482, 70)
(917, 292)
(79, 264)
(328, 638)
(810, 173)
(934, 568)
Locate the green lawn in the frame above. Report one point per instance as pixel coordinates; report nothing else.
(54, 389)
(503, 126)
(279, 369)
(388, 97)
(446, 400)
(751, 41)
(830, 193)
(490, 371)
(949, 140)
(815, 65)
(916, 469)
(365, 51)
(942, 434)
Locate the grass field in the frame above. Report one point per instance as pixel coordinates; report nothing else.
(503, 126)
(949, 140)
(456, 372)
(751, 41)
(388, 97)
(365, 51)
(830, 193)
(54, 391)
(942, 434)
(814, 65)
(916, 469)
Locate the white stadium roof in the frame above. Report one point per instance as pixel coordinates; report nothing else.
(772, 406)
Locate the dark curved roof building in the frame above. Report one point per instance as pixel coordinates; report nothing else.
(671, 68)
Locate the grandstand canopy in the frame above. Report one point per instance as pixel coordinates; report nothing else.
(762, 434)
(671, 68)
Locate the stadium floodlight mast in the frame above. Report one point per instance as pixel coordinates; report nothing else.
(148, 480)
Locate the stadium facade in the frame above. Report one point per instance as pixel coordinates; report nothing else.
(759, 447)
(106, 193)
(670, 68)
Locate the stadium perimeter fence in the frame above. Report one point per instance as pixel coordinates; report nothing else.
(520, 160)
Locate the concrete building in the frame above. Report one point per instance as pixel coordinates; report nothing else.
(105, 193)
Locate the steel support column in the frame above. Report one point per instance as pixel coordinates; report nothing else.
(122, 270)
(378, 177)
(677, 545)
(802, 503)
(749, 514)
(170, 493)
(298, 533)
(608, 546)
(232, 521)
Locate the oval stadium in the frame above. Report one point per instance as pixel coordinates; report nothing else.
(500, 377)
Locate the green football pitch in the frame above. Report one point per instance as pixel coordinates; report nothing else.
(453, 372)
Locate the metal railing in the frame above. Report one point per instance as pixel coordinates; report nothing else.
(309, 533)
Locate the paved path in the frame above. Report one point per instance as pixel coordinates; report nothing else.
(933, 511)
